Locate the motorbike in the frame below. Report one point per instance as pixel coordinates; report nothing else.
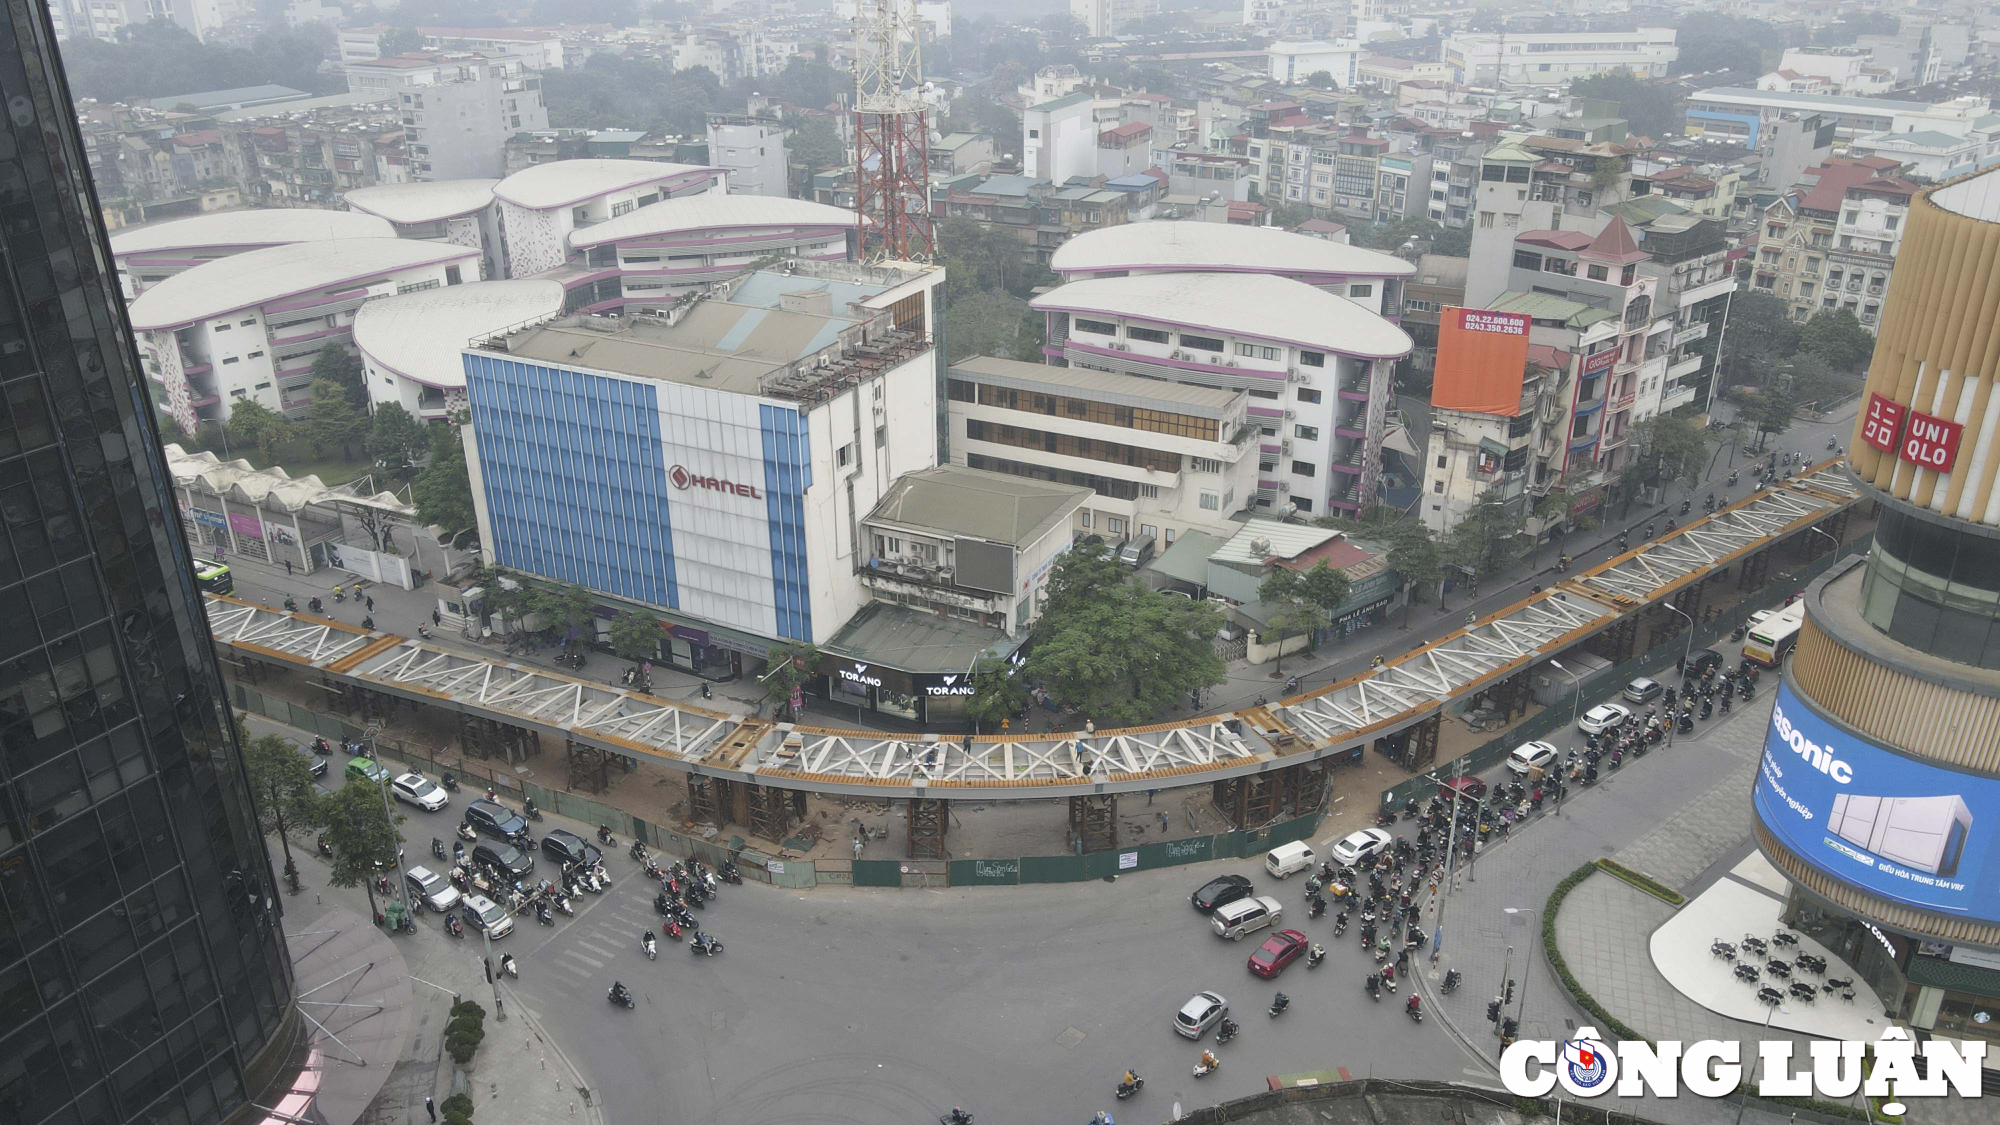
(652, 950)
(1340, 923)
(316, 606)
(1318, 909)
(1204, 1069)
(1127, 1089)
(672, 928)
(653, 869)
(507, 966)
(449, 782)
(466, 833)
(322, 747)
(325, 847)
(1686, 506)
(437, 847)
(604, 836)
(1451, 979)
(1279, 1004)
(729, 873)
(619, 996)
(1413, 1011)
(529, 810)
(957, 1116)
(1373, 986)
(453, 926)
(542, 914)
(1227, 1029)
(704, 945)
(638, 852)
(1317, 955)
(564, 908)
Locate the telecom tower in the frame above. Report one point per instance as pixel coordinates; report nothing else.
(892, 197)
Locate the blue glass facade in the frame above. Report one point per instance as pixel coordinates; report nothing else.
(787, 475)
(575, 476)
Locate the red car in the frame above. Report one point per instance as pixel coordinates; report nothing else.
(1278, 950)
(1469, 789)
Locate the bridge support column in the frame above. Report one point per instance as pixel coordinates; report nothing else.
(930, 819)
(770, 810)
(1307, 786)
(589, 767)
(704, 802)
(1756, 569)
(1422, 748)
(1618, 643)
(1251, 802)
(1093, 821)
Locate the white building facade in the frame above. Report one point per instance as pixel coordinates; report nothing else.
(411, 345)
(1530, 60)
(147, 255)
(541, 206)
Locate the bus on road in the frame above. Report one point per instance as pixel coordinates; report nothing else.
(1771, 639)
(214, 578)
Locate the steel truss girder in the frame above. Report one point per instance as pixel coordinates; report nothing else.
(1104, 757)
(1709, 540)
(520, 693)
(314, 642)
(1443, 669)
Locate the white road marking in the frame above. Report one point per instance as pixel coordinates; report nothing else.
(591, 961)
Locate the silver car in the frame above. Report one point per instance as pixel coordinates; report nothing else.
(1203, 1011)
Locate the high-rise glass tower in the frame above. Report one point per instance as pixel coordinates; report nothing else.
(143, 973)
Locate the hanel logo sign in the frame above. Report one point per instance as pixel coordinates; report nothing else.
(1586, 1067)
(684, 480)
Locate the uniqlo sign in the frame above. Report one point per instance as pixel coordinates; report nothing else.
(1884, 423)
(1930, 442)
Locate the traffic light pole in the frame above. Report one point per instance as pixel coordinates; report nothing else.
(1506, 966)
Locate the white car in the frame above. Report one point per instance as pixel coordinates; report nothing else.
(1201, 1013)
(1602, 717)
(1528, 755)
(1356, 846)
(421, 791)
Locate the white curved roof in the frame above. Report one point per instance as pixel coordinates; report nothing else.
(1260, 304)
(1220, 246)
(258, 277)
(423, 202)
(268, 227)
(419, 335)
(271, 488)
(709, 211)
(560, 183)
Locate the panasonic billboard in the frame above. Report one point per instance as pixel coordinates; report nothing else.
(1910, 832)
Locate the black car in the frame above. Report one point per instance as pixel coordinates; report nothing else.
(489, 818)
(1220, 892)
(567, 848)
(1704, 660)
(314, 762)
(503, 857)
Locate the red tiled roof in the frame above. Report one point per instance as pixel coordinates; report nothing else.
(1571, 240)
(1339, 553)
(1126, 131)
(1615, 242)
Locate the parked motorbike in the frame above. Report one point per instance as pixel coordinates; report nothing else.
(507, 966)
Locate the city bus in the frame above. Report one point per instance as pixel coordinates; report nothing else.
(1771, 639)
(214, 578)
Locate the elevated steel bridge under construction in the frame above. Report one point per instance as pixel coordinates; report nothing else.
(1263, 760)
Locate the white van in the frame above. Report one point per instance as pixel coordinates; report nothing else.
(1288, 859)
(1233, 920)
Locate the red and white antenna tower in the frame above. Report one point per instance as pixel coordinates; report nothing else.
(891, 134)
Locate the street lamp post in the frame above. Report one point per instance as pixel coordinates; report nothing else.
(1817, 530)
(1769, 1011)
(389, 818)
(1562, 785)
(1687, 654)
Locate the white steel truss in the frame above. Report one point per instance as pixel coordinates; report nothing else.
(1430, 675)
(313, 642)
(1124, 756)
(1707, 541)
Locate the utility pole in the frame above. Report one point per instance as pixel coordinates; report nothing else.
(493, 975)
(1450, 863)
(389, 818)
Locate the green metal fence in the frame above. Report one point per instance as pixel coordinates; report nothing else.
(1551, 719)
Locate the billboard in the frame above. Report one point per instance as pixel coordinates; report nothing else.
(1481, 358)
(1910, 832)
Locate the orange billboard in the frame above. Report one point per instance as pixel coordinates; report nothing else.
(1481, 359)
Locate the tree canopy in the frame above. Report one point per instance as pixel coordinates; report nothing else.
(816, 145)
(397, 441)
(281, 780)
(1304, 601)
(1648, 110)
(1120, 652)
(611, 92)
(253, 423)
(1662, 449)
(998, 693)
(344, 367)
(363, 836)
(1488, 537)
(635, 635)
(442, 492)
(993, 323)
(333, 421)
(1837, 337)
(159, 59)
(1759, 335)
(1713, 41)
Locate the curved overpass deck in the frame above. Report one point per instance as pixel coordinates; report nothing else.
(1304, 728)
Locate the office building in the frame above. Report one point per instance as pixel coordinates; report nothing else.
(751, 153)
(147, 977)
(1522, 62)
(1158, 456)
(459, 109)
(147, 255)
(1316, 367)
(1109, 17)
(711, 466)
(1894, 684)
(250, 326)
(1734, 113)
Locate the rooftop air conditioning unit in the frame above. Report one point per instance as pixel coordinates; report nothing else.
(1285, 446)
(1290, 413)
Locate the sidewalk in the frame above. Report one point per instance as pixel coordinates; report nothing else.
(519, 1076)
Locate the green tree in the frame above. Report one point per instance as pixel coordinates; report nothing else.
(397, 441)
(160, 59)
(281, 780)
(575, 609)
(363, 836)
(1392, 236)
(343, 367)
(992, 323)
(1322, 80)
(1836, 336)
(252, 423)
(1084, 576)
(1663, 449)
(635, 636)
(1290, 216)
(1812, 380)
(1712, 41)
(790, 667)
(1488, 537)
(442, 492)
(1455, 242)
(997, 693)
(401, 40)
(1757, 336)
(1292, 611)
(1772, 412)
(332, 420)
(610, 91)
(1125, 654)
(816, 145)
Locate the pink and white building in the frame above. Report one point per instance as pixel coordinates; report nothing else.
(660, 252)
(1369, 278)
(543, 205)
(148, 255)
(412, 346)
(249, 326)
(458, 212)
(1317, 367)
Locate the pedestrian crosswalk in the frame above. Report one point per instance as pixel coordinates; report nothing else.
(598, 937)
